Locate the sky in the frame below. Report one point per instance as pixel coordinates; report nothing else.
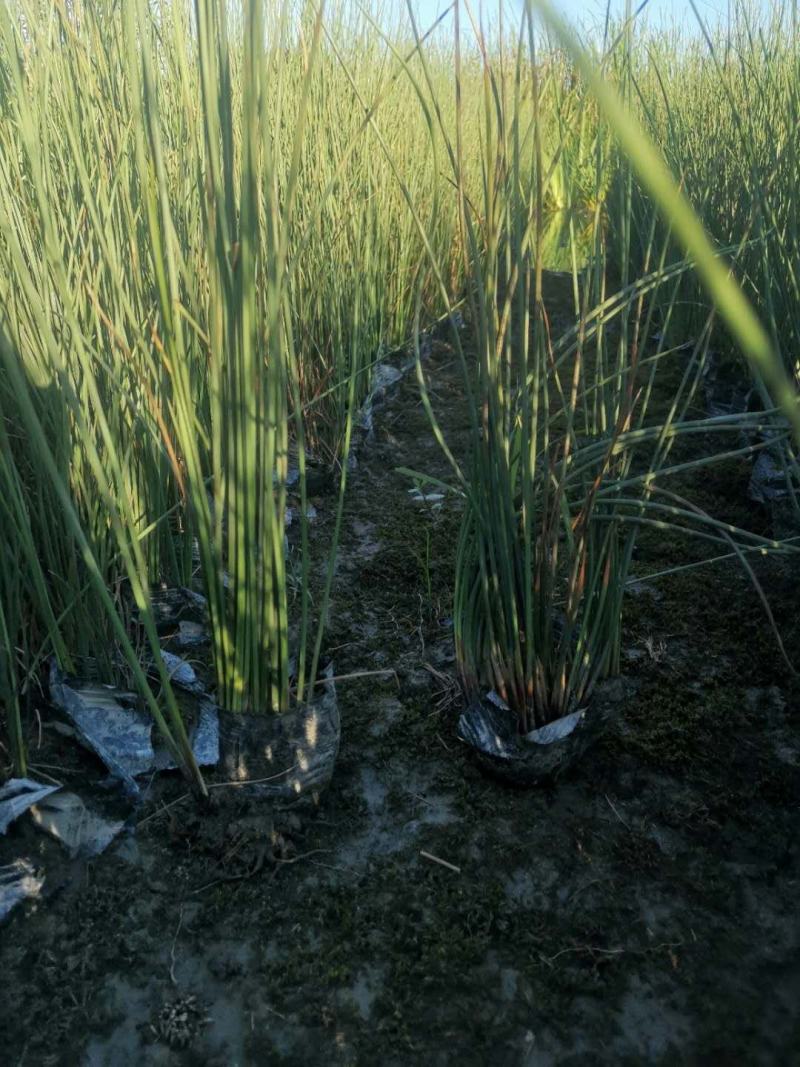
(592, 12)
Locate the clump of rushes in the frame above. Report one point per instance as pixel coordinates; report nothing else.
(25, 606)
(567, 462)
(247, 343)
(220, 341)
(176, 325)
(74, 433)
(53, 482)
(721, 102)
(201, 258)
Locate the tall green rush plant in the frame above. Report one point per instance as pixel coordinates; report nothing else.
(26, 611)
(237, 466)
(57, 394)
(655, 176)
(174, 332)
(565, 464)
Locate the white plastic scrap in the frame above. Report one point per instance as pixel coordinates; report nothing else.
(19, 794)
(197, 600)
(119, 735)
(420, 496)
(384, 376)
(544, 735)
(204, 738)
(311, 514)
(191, 633)
(558, 730)
(768, 480)
(18, 881)
(122, 735)
(61, 814)
(181, 672)
(66, 818)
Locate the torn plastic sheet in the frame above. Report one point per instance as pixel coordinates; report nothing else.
(171, 605)
(197, 600)
(18, 881)
(19, 794)
(556, 731)
(190, 634)
(768, 480)
(311, 514)
(287, 757)
(543, 735)
(490, 729)
(182, 673)
(455, 320)
(421, 496)
(385, 375)
(203, 736)
(82, 832)
(389, 368)
(110, 723)
(118, 734)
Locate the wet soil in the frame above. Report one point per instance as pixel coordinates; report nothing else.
(644, 910)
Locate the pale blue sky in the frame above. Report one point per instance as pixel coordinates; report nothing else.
(592, 12)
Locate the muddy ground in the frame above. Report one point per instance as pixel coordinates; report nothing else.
(643, 910)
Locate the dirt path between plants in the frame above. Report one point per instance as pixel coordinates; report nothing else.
(643, 911)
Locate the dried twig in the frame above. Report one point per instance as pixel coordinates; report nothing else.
(173, 979)
(441, 862)
(624, 822)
